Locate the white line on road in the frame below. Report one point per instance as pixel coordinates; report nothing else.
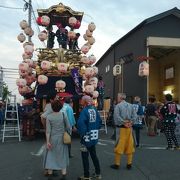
(39, 153)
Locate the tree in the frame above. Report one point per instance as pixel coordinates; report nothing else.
(5, 91)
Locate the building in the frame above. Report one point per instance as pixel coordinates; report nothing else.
(157, 37)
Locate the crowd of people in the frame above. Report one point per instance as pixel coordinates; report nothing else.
(128, 119)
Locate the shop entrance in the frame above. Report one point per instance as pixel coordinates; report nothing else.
(164, 69)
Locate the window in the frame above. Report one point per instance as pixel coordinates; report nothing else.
(107, 68)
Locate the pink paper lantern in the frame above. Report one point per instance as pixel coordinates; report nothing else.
(72, 21)
(77, 25)
(45, 65)
(45, 20)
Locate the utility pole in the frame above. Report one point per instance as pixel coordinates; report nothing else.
(29, 16)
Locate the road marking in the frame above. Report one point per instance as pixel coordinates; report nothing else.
(39, 153)
(108, 141)
(102, 144)
(154, 147)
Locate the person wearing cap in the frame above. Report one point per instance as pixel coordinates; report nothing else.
(88, 126)
(124, 117)
(169, 112)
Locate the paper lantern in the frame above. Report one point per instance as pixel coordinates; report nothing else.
(91, 59)
(24, 90)
(60, 86)
(72, 21)
(28, 43)
(93, 81)
(26, 56)
(91, 26)
(23, 66)
(85, 49)
(29, 62)
(45, 20)
(62, 67)
(28, 31)
(21, 37)
(42, 79)
(88, 33)
(30, 79)
(95, 70)
(42, 35)
(95, 94)
(89, 89)
(29, 49)
(71, 34)
(143, 69)
(23, 73)
(89, 72)
(39, 20)
(91, 40)
(77, 25)
(23, 24)
(45, 65)
(117, 70)
(84, 59)
(21, 82)
(85, 37)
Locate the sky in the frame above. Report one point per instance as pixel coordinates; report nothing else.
(113, 19)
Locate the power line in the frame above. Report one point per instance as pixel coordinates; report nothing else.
(7, 7)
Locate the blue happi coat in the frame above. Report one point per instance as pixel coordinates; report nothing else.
(88, 125)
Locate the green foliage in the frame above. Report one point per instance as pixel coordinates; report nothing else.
(5, 92)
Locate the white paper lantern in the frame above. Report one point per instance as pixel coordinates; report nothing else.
(23, 24)
(21, 37)
(117, 70)
(29, 49)
(21, 82)
(42, 79)
(42, 35)
(23, 66)
(85, 49)
(143, 69)
(91, 26)
(62, 67)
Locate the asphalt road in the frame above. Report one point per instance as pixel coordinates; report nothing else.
(23, 160)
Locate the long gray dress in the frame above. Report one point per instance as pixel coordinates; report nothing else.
(57, 158)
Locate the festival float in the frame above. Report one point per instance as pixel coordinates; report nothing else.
(65, 70)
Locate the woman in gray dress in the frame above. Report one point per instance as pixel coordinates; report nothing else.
(56, 155)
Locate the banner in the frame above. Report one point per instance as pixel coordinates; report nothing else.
(75, 75)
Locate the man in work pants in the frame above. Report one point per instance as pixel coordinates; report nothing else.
(124, 116)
